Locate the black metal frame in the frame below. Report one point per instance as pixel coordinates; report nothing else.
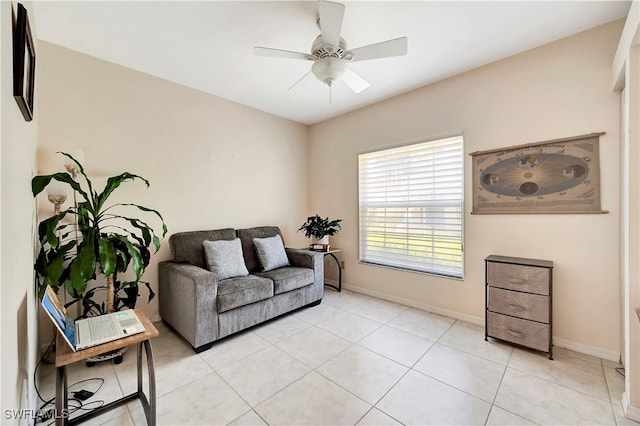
(24, 64)
(148, 405)
(339, 288)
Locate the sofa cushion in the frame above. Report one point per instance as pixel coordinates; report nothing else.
(271, 253)
(186, 247)
(289, 278)
(248, 249)
(224, 258)
(240, 291)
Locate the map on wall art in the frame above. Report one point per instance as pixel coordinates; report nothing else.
(559, 176)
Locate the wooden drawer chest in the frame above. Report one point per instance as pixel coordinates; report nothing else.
(518, 301)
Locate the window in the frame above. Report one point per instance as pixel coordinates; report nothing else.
(411, 207)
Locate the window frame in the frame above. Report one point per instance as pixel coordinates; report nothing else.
(424, 271)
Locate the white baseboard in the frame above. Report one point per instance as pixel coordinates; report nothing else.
(630, 411)
(586, 349)
(568, 344)
(429, 308)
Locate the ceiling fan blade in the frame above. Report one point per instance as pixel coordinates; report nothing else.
(277, 53)
(354, 81)
(385, 49)
(331, 15)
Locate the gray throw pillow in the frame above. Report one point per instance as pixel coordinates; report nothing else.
(271, 252)
(224, 257)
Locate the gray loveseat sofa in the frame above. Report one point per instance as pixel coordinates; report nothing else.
(203, 309)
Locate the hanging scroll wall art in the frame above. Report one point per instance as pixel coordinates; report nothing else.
(558, 176)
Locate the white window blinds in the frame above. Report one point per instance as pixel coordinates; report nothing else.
(411, 207)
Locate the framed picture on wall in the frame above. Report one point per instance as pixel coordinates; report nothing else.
(24, 63)
(557, 176)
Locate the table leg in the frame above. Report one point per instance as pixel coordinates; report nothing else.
(339, 288)
(139, 364)
(61, 411)
(149, 405)
(148, 401)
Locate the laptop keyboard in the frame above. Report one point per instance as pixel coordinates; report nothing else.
(102, 329)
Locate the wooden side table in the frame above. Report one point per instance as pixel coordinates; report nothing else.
(65, 356)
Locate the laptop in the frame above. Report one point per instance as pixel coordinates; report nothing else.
(93, 331)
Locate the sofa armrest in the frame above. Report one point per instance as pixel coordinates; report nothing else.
(313, 260)
(187, 297)
(300, 258)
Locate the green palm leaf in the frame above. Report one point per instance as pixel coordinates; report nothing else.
(69, 254)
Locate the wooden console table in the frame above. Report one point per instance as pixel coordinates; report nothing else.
(65, 356)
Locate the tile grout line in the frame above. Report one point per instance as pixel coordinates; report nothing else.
(604, 373)
(495, 397)
(410, 368)
(357, 344)
(351, 345)
(562, 385)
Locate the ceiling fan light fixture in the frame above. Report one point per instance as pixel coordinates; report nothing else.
(329, 69)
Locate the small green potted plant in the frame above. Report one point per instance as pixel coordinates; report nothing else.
(319, 229)
(108, 243)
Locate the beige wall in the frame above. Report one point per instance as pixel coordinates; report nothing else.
(18, 318)
(626, 78)
(559, 90)
(212, 163)
(197, 149)
(631, 235)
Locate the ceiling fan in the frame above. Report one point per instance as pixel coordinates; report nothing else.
(329, 51)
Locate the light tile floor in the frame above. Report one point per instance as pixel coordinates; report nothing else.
(359, 360)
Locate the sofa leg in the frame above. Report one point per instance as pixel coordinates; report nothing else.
(203, 347)
(196, 350)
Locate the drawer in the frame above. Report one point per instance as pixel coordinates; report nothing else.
(533, 307)
(518, 277)
(523, 332)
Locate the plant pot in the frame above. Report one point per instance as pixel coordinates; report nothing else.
(323, 240)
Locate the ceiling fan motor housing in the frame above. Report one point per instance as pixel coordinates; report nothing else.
(320, 49)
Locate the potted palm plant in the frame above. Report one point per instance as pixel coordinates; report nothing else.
(320, 229)
(109, 244)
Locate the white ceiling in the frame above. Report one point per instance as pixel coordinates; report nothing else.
(208, 45)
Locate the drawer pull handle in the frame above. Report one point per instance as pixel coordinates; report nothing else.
(514, 280)
(514, 333)
(516, 307)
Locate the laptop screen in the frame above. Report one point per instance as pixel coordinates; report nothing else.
(58, 315)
